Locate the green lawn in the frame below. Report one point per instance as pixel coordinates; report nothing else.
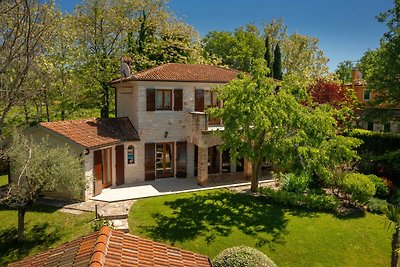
(210, 221)
(3, 179)
(46, 227)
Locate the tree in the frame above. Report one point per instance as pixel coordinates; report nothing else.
(277, 65)
(25, 26)
(37, 168)
(268, 56)
(381, 67)
(392, 213)
(262, 123)
(344, 71)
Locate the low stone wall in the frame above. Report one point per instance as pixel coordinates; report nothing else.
(226, 178)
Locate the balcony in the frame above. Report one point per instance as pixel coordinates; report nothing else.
(201, 128)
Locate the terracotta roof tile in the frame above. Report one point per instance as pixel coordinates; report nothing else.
(113, 248)
(95, 132)
(184, 73)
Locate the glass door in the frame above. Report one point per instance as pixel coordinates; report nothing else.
(165, 160)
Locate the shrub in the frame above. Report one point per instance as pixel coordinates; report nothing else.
(295, 183)
(376, 205)
(306, 201)
(359, 187)
(242, 256)
(382, 190)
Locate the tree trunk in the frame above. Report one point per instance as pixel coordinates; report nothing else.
(395, 247)
(256, 166)
(21, 224)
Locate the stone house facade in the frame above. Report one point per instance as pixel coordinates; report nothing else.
(161, 129)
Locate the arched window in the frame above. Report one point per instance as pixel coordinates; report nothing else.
(131, 155)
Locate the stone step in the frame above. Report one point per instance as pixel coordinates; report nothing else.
(111, 217)
(120, 225)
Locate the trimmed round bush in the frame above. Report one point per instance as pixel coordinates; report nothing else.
(359, 187)
(242, 256)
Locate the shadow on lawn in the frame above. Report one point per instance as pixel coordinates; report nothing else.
(37, 236)
(215, 214)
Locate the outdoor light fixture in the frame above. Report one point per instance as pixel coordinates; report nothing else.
(166, 134)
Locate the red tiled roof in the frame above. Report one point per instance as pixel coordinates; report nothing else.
(95, 132)
(175, 72)
(114, 248)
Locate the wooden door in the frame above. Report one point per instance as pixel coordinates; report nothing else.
(107, 167)
(119, 165)
(98, 171)
(165, 160)
(150, 161)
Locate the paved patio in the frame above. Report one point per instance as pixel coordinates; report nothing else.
(164, 186)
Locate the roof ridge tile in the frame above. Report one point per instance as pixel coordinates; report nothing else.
(100, 247)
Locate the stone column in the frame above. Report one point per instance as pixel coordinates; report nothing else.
(248, 169)
(233, 166)
(202, 166)
(190, 160)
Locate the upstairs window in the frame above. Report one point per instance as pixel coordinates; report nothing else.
(131, 154)
(163, 99)
(367, 95)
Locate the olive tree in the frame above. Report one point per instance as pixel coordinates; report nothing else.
(36, 167)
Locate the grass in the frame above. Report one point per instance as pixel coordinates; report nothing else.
(210, 221)
(3, 179)
(45, 227)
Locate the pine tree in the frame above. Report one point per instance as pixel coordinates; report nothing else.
(268, 56)
(277, 65)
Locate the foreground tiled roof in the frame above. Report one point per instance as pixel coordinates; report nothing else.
(95, 132)
(114, 248)
(175, 72)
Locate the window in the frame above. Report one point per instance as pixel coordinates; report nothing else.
(370, 126)
(163, 99)
(386, 127)
(367, 95)
(164, 160)
(131, 154)
(211, 101)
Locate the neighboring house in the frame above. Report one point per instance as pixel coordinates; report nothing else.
(160, 131)
(114, 248)
(373, 117)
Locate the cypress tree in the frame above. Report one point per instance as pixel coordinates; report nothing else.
(277, 65)
(268, 56)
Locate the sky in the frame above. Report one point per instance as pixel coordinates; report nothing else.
(346, 29)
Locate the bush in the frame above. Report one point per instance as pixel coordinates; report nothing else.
(376, 205)
(382, 190)
(312, 202)
(295, 183)
(359, 187)
(242, 256)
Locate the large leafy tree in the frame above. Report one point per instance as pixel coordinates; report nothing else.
(36, 167)
(268, 54)
(263, 122)
(381, 67)
(344, 70)
(25, 27)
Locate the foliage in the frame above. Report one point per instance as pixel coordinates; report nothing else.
(237, 49)
(277, 65)
(344, 71)
(25, 27)
(381, 66)
(301, 55)
(38, 168)
(296, 183)
(266, 124)
(268, 55)
(359, 187)
(3, 180)
(242, 256)
(98, 223)
(208, 222)
(392, 213)
(376, 205)
(382, 190)
(314, 202)
(46, 227)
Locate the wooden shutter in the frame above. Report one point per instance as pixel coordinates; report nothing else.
(199, 100)
(151, 99)
(98, 171)
(181, 159)
(150, 161)
(178, 99)
(119, 165)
